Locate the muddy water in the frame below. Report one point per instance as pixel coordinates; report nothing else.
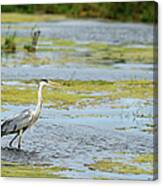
(75, 137)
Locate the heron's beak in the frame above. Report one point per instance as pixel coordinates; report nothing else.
(54, 84)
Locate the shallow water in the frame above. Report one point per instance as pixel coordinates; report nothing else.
(90, 30)
(79, 72)
(80, 31)
(75, 137)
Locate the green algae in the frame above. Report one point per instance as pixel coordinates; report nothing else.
(30, 171)
(50, 41)
(33, 60)
(145, 158)
(120, 53)
(99, 53)
(63, 42)
(78, 93)
(118, 89)
(12, 169)
(29, 96)
(117, 167)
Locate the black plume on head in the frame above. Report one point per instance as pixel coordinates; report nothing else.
(45, 80)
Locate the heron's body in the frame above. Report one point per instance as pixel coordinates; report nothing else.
(18, 122)
(22, 121)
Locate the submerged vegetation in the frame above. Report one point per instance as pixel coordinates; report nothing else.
(117, 167)
(145, 158)
(31, 171)
(71, 52)
(124, 100)
(9, 45)
(78, 93)
(120, 54)
(137, 165)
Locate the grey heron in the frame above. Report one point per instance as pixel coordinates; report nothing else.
(22, 121)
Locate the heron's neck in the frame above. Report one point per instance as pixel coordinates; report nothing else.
(40, 100)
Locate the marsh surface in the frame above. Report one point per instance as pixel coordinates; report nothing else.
(84, 129)
(89, 30)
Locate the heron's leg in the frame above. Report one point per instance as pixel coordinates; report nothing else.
(20, 138)
(10, 144)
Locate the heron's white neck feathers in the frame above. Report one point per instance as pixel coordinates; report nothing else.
(40, 100)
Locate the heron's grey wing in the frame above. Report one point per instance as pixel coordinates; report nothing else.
(18, 122)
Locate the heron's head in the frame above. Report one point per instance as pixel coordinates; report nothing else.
(45, 82)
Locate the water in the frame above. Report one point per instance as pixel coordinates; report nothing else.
(74, 72)
(89, 30)
(80, 31)
(75, 137)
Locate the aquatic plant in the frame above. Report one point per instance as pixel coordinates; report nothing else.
(9, 45)
(10, 169)
(117, 167)
(79, 93)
